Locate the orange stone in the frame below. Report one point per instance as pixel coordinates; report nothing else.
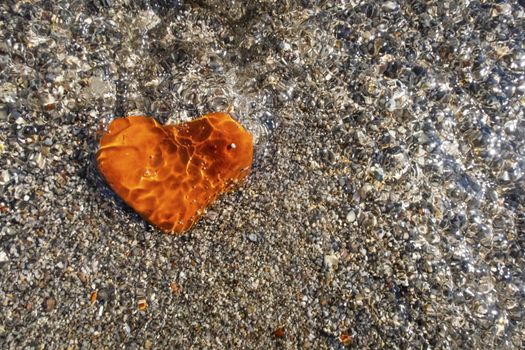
(280, 332)
(93, 297)
(170, 174)
(345, 338)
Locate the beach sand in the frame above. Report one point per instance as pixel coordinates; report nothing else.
(385, 207)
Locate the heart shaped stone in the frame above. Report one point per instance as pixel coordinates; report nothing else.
(170, 174)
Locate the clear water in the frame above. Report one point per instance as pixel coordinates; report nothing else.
(390, 139)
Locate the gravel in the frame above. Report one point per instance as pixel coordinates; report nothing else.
(385, 208)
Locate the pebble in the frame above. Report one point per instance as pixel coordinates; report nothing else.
(350, 217)
(331, 262)
(50, 304)
(390, 5)
(4, 177)
(365, 190)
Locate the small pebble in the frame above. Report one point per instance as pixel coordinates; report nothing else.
(142, 304)
(50, 304)
(331, 262)
(280, 332)
(350, 217)
(390, 5)
(365, 190)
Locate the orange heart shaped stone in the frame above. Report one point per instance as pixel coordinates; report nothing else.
(170, 174)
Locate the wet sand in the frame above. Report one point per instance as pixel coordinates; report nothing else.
(385, 208)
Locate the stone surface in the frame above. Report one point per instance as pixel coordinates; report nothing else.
(170, 174)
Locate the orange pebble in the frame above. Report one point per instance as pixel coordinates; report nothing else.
(142, 304)
(93, 297)
(345, 338)
(280, 332)
(170, 174)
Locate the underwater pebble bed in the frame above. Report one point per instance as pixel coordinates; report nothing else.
(385, 208)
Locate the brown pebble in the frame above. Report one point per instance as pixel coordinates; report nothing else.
(345, 338)
(82, 277)
(50, 304)
(279, 332)
(174, 287)
(93, 297)
(3, 208)
(142, 304)
(49, 106)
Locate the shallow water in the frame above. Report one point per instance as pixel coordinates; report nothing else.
(386, 202)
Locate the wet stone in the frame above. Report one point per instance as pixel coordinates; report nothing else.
(170, 174)
(350, 217)
(50, 304)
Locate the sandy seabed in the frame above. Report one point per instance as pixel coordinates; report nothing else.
(385, 208)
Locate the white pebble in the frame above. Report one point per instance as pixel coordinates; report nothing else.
(331, 261)
(390, 5)
(3, 257)
(350, 217)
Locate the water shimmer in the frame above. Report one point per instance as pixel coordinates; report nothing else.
(385, 208)
(170, 174)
